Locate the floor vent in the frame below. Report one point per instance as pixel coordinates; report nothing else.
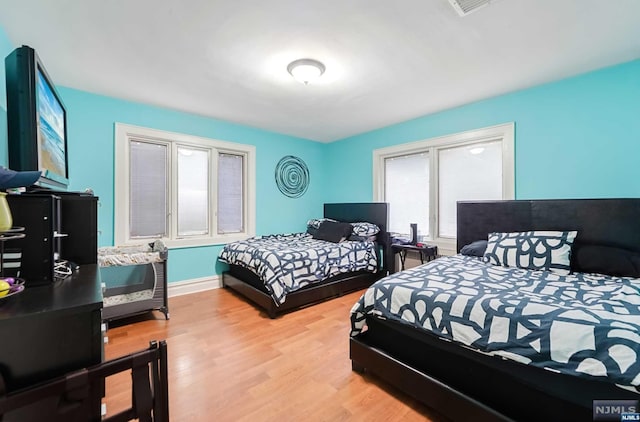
(464, 7)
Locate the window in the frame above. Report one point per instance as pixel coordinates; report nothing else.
(186, 190)
(405, 178)
(422, 181)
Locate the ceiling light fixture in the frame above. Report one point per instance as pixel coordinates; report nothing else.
(306, 70)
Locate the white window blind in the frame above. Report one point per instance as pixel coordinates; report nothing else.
(193, 191)
(466, 173)
(423, 180)
(149, 164)
(188, 190)
(406, 187)
(230, 197)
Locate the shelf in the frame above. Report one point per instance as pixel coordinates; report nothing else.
(12, 233)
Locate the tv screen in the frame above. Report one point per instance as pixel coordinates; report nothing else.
(36, 120)
(51, 129)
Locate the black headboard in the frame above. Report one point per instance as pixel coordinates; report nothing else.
(371, 212)
(608, 222)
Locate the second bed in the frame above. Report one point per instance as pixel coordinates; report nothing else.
(284, 272)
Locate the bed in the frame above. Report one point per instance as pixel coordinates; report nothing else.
(247, 283)
(464, 384)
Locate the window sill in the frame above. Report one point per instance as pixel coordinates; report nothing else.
(445, 246)
(195, 243)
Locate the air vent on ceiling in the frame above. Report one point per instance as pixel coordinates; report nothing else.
(464, 7)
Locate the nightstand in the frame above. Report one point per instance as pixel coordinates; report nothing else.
(427, 252)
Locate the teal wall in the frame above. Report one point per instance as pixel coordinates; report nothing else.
(579, 137)
(91, 123)
(576, 138)
(6, 47)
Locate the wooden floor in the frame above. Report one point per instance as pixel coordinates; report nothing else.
(229, 362)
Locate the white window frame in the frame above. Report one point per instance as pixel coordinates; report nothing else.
(504, 132)
(125, 133)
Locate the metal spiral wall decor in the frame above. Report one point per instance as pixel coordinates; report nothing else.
(292, 176)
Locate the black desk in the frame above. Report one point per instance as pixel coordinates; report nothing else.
(47, 331)
(428, 251)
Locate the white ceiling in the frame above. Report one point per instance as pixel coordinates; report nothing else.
(387, 60)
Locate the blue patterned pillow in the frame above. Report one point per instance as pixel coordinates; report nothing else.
(365, 229)
(535, 250)
(314, 223)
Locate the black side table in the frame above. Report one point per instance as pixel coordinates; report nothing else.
(427, 252)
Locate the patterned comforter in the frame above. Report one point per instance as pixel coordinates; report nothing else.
(286, 263)
(587, 325)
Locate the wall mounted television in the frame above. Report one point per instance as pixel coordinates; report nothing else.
(36, 120)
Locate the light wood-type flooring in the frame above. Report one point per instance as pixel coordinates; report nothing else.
(229, 362)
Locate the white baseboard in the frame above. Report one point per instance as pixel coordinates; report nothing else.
(194, 285)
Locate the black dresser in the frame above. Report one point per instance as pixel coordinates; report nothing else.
(55, 325)
(49, 330)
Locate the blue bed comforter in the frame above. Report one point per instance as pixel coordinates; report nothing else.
(288, 262)
(587, 325)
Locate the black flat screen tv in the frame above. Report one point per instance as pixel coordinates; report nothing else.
(36, 120)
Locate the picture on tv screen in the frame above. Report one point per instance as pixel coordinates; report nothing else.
(51, 133)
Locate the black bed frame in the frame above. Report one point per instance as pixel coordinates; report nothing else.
(249, 285)
(465, 385)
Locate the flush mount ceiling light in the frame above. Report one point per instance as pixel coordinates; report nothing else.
(305, 70)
